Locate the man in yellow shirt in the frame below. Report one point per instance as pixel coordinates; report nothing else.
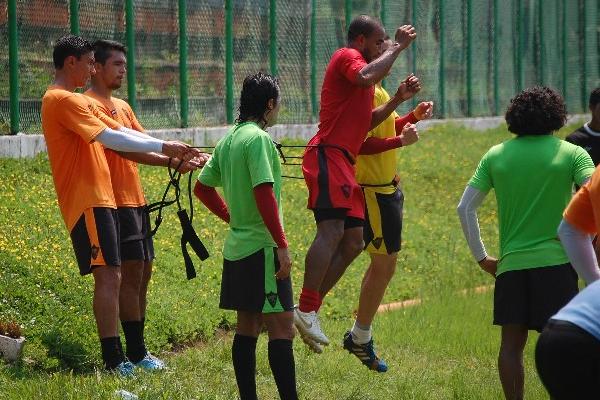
(137, 248)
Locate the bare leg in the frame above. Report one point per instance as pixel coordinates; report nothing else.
(510, 360)
(144, 287)
(107, 280)
(374, 284)
(321, 251)
(129, 299)
(347, 250)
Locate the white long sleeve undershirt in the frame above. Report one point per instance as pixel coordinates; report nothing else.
(467, 213)
(580, 250)
(129, 142)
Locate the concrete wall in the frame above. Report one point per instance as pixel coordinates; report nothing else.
(28, 145)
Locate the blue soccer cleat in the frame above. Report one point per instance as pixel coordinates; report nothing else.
(365, 353)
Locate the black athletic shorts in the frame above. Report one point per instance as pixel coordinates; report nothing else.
(135, 227)
(324, 214)
(531, 296)
(383, 221)
(95, 239)
(568, 361)
(250, 285)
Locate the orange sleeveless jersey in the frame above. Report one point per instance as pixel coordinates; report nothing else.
(583, 212)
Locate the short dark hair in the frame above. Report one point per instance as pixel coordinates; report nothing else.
(536, 111)
(257, 90)
(361, 25)
(102, 49)
(69, 45)
(595, 97)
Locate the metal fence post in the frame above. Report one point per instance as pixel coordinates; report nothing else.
(520, 45)
(130, 36)
(542, 61)
(313, 61)
(469, 58)
(13, 56)
(583, 52)
(348, 12)
(496, 58)
(413, 46)
(564, 49)
(273, 37)
(183, 68)
(229, 60)
(74, 16)
(442, 74)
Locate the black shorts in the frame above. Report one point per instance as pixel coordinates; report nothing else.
(135, 227)
(95, 239)
(383, 221)
(568, 361)
(531, 296)
(324, 214)
(250, 285)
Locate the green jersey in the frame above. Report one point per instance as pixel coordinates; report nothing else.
(533, 178)
(243, 159)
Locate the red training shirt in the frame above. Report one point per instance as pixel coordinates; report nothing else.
(346, 107)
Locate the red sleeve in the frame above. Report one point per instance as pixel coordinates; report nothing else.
(402, 121)
(350, 63)
(374, 145)
(211, 199)
(267, 207)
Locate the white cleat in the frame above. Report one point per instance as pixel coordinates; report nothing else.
(314, 346)
(308, 325)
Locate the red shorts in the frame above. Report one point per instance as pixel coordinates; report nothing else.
(330, 178)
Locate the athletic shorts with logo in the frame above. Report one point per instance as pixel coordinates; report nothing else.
(136, 244)
(249, 284)
(531, 296)
(382, 232)
(330, 177)
(95, 239)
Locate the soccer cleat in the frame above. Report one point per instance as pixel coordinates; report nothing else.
(124, 369)
(365, 353)
(308, 325)
(150, 363)
(314, 346)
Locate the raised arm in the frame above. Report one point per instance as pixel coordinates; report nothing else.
(375, 71)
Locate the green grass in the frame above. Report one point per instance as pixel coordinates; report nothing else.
(41, 289)
(443, 349)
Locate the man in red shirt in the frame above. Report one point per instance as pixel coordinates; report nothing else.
(346, 116)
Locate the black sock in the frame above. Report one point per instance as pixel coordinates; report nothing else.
(281, 361)
(243, 353)
(134, 339)
(112, 354)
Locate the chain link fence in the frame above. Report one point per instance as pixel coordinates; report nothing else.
(471, 55)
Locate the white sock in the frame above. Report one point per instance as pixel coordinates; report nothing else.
(361, 334)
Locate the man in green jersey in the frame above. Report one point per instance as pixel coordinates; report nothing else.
(532, 176)
(256, 266)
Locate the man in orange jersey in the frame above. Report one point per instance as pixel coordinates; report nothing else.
(137, 249)
(75, 130)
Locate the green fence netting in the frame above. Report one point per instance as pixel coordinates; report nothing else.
(471, 55)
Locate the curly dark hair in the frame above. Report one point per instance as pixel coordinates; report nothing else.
(69, 45)
(536, 111)
(595, 97)
(257, 90)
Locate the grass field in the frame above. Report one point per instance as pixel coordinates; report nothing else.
(443, 349)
